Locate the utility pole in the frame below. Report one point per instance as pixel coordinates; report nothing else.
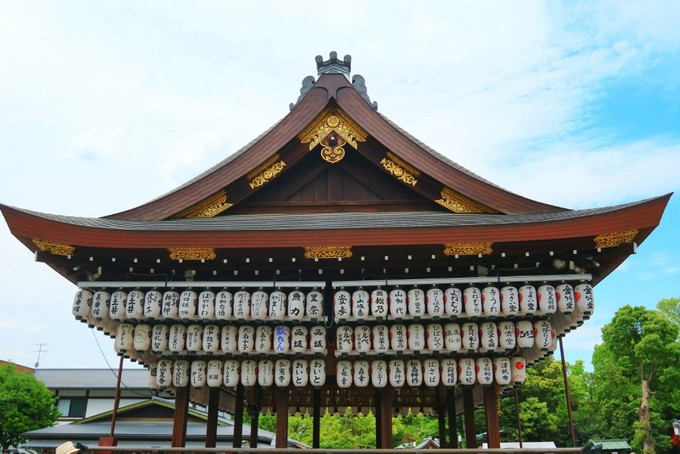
(40, 351)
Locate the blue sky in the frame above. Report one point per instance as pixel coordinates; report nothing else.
(106, 105)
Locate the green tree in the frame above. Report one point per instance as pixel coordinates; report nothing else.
(641, 345)
(670, 307)
(25, 404)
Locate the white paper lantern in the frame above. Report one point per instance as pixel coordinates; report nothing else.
(142, 338)
(470, 335)
(153, 304)
(82, 304)
(194, 338)
(317, 339)
(416, 302)
(259, 304)
(314, 304)
(472, 300)
(381, 338)
(361, 373)
(491, 301)
(298, 339)
(117, 305)
(484, 368)
(362, 338)
(215, 373)
(434, 300)
(379, 375)
(277, 305)
(342, 304)
(300, 373)
(466, 371)
(416, 337)
(296, 305)
(509, 300)
(525, 333)
(317, 372)
(434, 337)
(344, 374)
(134, 306)
(241, 304)
(206, 305)
(188, 304)
(502, 371)
(180, 377)
(398, 337)
(414, 372)
(165, 373)
(248, 372)
(519, 370)
(199, 377)
(379, 303)
(397, 373)
(585, 300)
(229, 339)
(125, 337)
(263, 339)
(488, 337)
(547, 299)
(160, 336)
(528, 300)
(170, 308)
(452, 337)
(431, 371)
(507, 336)
(224, 305)
(101, 301)
(554, 339)
(449, 372)
(246, 339)
(211, 338)
(565, 298)
(344, 339)
(397, 303)
(178, 338)
(453, 301)
(542, 334)
(361, 303)
(265, 373)
(152, 380)
(231, 373)
(281, 339)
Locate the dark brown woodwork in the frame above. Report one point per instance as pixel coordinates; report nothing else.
(179, 425)
(282, 417)
(238, 417)
(469, 418)
(491, 413)
(451, 410)
(316, 419)
(213, 412)
(386, 417)
(441, 424)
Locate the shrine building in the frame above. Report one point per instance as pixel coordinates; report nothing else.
(336, 263)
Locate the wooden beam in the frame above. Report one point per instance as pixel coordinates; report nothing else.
(255, 416)
(179, 425)
(213, 411)
(441, 419)
(316, 419)
(281, 417)
(386, 417)
(493, 433)
(238, 417)
(469, 412)
(451, 408)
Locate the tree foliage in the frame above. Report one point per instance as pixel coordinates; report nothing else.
(25, 404)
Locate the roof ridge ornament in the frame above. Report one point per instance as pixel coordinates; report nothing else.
(333, 65)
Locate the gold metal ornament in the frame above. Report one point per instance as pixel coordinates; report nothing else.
(483, 248)
(54, 248)
(615, 238)
(266, 172)
(207, 208)
(185, 253)
(458, 203)
(328, 252)
(400, 170)
(332, 128)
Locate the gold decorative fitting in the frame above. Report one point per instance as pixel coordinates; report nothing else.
(208, 208)
(187, 253)
(615, 238)
(332, 128)
(483, 248)
(458, 203)
(266, 172)
(328, 252)
(400, 170)
(54, 248)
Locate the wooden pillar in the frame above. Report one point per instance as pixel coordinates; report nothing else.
(213, 410)
(441, 417)
(493, 433)
(238, 417)
(281, 418)
(451, 408)
(378, 420)
(255, 416)
(469, 411)
(316, 419)
(179, 425)
(385, 397)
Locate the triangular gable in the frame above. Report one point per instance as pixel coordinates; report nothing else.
(156, 409)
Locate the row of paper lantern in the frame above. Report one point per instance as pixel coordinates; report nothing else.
(452, 337)
(470, 302)
(213, 338)
(360, 373)
(119, 305)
